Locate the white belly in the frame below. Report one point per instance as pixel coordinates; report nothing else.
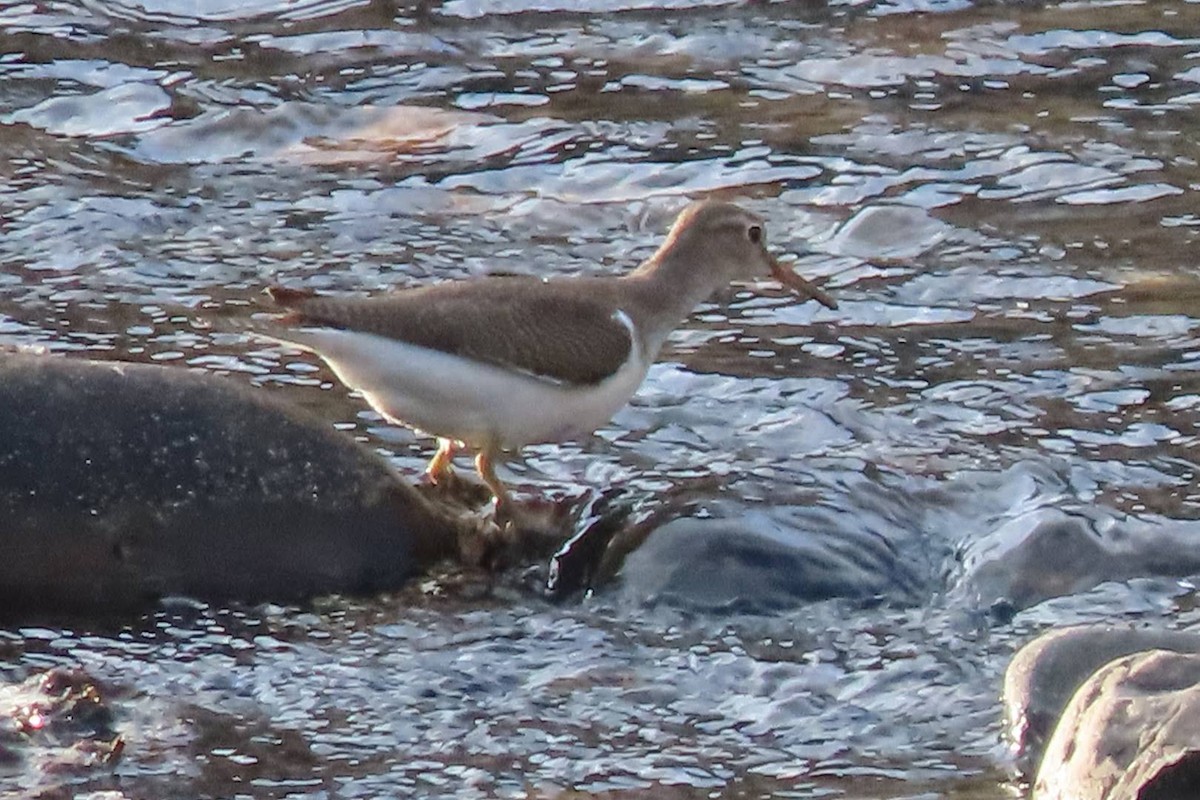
(456, 398)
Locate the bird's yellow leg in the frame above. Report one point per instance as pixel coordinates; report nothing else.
(440, 468)
(484, 465)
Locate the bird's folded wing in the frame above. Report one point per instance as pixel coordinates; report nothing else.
(543, 329)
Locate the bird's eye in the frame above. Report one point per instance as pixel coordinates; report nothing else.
(754, 234)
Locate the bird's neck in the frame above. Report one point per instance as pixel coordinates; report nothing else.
(665, 290)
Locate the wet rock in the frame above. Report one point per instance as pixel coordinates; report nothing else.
(1044, 674)
(1132, 730)
(754, 565)
(122, 483)
(54, 724)
(1051, 553)
(312, 133)
(893, 232)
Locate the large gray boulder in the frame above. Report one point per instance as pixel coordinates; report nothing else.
(121, 483)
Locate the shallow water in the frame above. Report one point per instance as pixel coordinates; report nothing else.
(1001, 196)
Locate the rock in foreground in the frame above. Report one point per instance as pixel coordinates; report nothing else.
(1100, 712)
(1132, 730)
(1044, 674)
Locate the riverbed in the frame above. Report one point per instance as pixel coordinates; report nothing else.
(1001, 196)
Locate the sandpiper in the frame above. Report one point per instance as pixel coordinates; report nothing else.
(496, 363)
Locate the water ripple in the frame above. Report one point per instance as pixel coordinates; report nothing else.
(993, 433)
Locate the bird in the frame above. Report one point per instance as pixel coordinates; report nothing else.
(499, 362)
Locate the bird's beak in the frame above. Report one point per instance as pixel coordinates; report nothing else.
(793, 281)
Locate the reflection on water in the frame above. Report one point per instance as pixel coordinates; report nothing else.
(1002, 197)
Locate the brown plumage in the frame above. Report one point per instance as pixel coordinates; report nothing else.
(554, 333)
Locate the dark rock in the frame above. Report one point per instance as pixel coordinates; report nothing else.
(121, 483)
(752, 565)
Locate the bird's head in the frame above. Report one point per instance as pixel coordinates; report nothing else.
(732, 243)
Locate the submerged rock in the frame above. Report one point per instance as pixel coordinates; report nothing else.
(1132, 730)
(1051, 552)
(754, 565)
(122, 483)
(1044, 674)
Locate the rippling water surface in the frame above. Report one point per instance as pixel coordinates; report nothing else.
(992, 434)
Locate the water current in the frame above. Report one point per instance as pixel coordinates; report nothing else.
(1001, 195)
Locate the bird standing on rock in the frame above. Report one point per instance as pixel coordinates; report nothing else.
(497, 363)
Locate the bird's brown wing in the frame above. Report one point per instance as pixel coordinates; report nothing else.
(563, 331)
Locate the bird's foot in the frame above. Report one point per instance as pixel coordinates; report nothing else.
(531, 514)
(488, 547)
(505, 512)
(515, 531)
(450, 485)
